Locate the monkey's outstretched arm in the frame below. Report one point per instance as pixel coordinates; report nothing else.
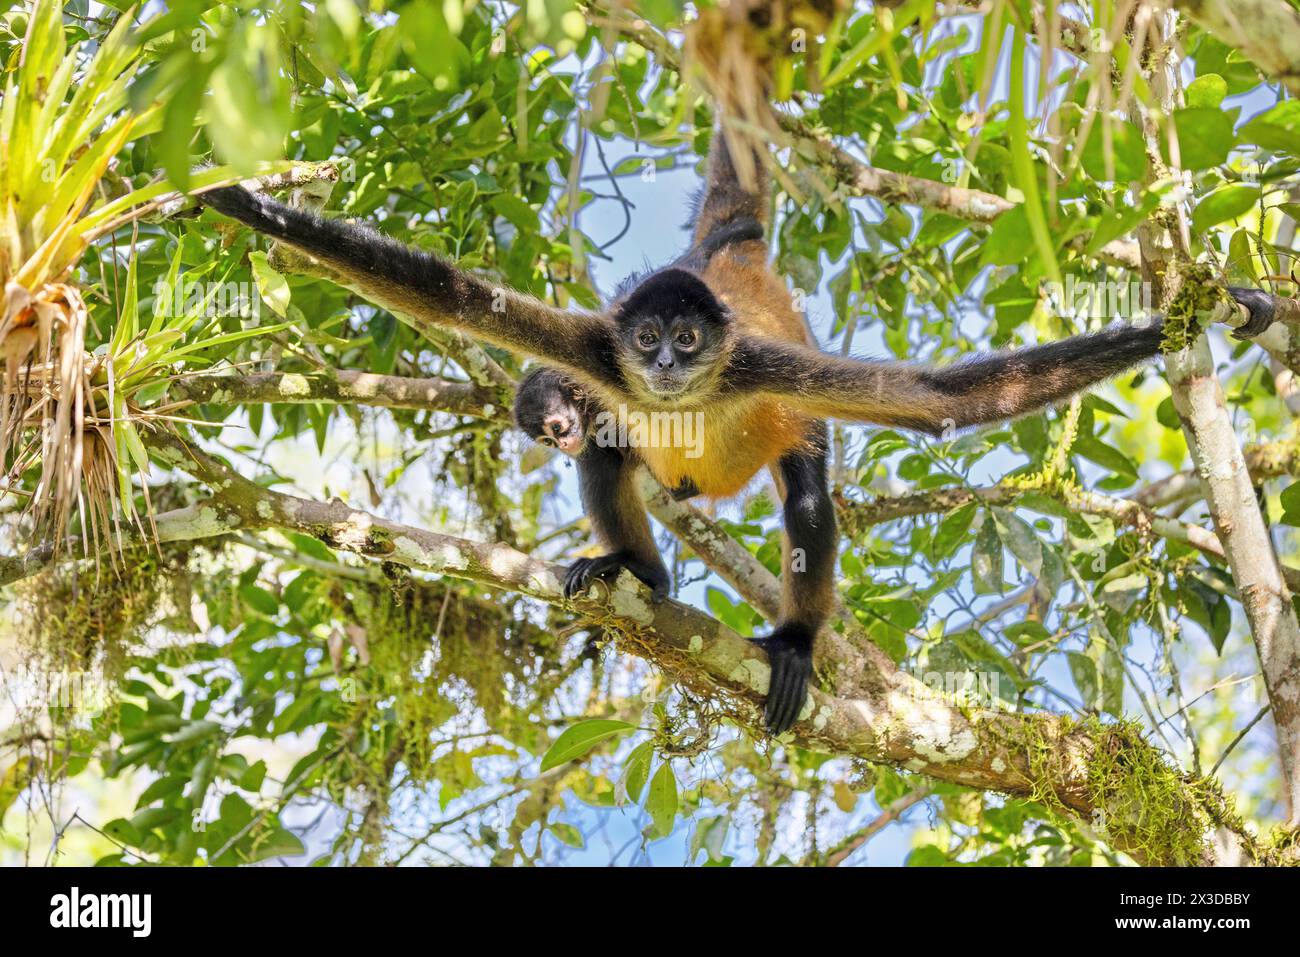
(427, 288)
(985, 388)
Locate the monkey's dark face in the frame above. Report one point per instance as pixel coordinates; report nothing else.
(669, 352)
(550, 410)
(672, 332)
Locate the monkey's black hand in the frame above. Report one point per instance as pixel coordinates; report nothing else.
(1261, 307)
(789, 653)
(586, 570)
(686, 490)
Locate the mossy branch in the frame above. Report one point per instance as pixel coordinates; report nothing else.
(346, 386)
(1108, 775)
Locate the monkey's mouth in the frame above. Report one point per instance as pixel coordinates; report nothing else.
(570, 442)
(668, 386)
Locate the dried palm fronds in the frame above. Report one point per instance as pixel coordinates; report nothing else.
(746, 51)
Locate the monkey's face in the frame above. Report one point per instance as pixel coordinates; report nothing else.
(550, 411)
(672, 355)
(672, 331)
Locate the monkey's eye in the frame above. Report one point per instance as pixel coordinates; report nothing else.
(547, 441)
(687, 338)
(647, 339)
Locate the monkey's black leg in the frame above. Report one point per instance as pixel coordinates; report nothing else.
(807, 580)
(606, 479)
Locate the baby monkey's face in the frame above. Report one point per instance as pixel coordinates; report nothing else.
(550, 411)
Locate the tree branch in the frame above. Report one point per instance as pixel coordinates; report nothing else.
(1218, 459)
(1128, 513)
(346, 386)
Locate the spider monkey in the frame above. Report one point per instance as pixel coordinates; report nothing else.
(715, 332)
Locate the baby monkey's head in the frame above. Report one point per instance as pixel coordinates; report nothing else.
(672, 332)
(552, 410)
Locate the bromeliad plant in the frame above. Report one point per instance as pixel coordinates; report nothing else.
(70, 418)
(54, 150)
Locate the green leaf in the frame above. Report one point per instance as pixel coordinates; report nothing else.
(1084, 671)
(259, 599)
(1276, 129)
(581, 738)
(568, 834)
(1290, 501)
(1207, 90)
(986, 559)
(1205, 137)
(178, 115)
(517, 211)
(195, 731)
(248, 112)
(279, 843)
(1094, 449)
(914, 467)
(927, 855)
(1127, 155)
(1227, 202)
(952, 530)
(1010, 241)
(271, 286)
(636, 771)
(710, 836)
(661, 805)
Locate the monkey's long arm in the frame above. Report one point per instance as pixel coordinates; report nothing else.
(426, 287)
(986, 388)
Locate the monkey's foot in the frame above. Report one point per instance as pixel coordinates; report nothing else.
(1261, 307)
(586, 570)
(789, 653)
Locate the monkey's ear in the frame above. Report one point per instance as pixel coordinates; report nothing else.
(673, 292)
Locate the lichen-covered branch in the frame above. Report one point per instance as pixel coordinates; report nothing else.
(1184, 291)
(1125, 512)
(1265, 460)
(719, 551)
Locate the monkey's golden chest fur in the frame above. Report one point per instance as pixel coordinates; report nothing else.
(734, 443)
(742, 437)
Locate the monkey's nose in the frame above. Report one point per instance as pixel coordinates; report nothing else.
(664, 362)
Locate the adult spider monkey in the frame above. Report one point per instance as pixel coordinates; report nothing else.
(715, 332)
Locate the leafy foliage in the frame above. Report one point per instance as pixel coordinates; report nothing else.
(262, 695)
